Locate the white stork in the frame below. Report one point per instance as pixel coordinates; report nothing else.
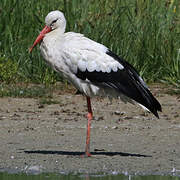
(91, 67)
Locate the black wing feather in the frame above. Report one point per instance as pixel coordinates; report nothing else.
(126, 81)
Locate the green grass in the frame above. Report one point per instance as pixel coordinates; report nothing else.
(25, 91)
(145, 33)
(174, 92)
(48, 101)
(44, 93)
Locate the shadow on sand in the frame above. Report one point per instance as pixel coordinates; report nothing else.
(76, 153)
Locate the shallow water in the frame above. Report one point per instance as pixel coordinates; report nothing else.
(51, 176)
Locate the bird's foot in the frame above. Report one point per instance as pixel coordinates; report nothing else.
(86, 155)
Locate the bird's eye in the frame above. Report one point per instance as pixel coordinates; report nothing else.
(54, 22)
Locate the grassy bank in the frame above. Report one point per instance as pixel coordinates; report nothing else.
(147, 34)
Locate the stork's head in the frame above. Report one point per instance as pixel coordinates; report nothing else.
(54, 20)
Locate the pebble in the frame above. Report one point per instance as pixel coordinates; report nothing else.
(114, 127)
(36, 169)
(12, 157)
(119, 113)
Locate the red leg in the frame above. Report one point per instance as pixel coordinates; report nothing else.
(89, 116)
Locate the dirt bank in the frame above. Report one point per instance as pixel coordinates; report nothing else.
(51, 138)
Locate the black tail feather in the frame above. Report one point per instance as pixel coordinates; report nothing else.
(141, 93)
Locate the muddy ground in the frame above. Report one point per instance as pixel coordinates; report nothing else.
(124, 139)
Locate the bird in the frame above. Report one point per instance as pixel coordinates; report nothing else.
(92, 68)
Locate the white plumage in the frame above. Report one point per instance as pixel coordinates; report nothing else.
(91, 67)
(74, 51)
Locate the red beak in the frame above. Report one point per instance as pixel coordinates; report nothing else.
(45, 30)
